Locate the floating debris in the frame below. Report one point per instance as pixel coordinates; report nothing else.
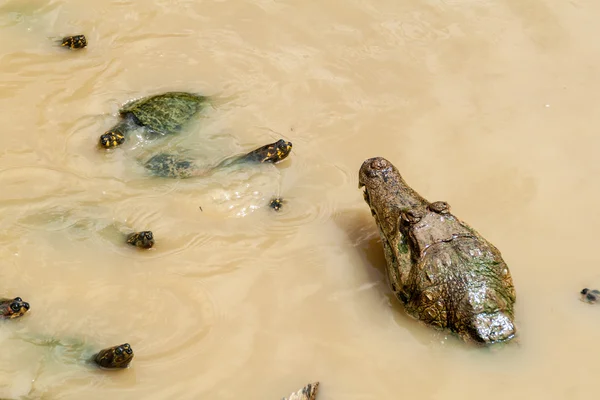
(308, 392)
(590, 296)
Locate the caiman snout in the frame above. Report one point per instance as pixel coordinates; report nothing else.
(372, 168)
(378, 163)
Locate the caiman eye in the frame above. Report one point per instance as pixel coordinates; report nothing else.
(15, 307)
(440, 207)
(412, 216)
(17, 299)
(118, 351)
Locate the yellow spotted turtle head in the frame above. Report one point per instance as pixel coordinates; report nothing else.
(112, 139)
(13, 308)
(276, 203)
(143, 240)
(115, 357)
(275, 152)
(74, 42)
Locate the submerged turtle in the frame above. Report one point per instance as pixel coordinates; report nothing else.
(12, 308)
(74, 220)
(444, 272)
(74, 42)
(75, 351)
(158, 115)
(590, 295)
(168, 165)
(119, 233)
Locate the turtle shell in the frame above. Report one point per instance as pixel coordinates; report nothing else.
(165, 113)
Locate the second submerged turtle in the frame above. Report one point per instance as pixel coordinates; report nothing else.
(171, 166)
(160, 114)
(77, 351)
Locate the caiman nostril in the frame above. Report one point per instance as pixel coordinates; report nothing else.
(379, 164)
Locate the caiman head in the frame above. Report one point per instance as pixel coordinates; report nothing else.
(444, 272)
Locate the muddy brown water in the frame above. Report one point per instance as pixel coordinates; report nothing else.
(491, 106)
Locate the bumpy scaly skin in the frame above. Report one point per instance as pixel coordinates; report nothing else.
(13, 308)
(74, 42)
(143, 240)
(115, 357)
(170, 166)
(163, 114)
(444, 272)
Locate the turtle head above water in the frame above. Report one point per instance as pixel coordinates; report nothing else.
(269, 153)
(13, 308)
(143, 240)
(115, 357)
(275, 152)
(111, 139)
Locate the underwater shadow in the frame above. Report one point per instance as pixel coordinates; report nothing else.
(360, 228)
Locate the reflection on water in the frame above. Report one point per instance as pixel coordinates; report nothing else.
(489, 106)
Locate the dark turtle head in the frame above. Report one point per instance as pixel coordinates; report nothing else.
(270, 153)
(276, 203)
(115, 357)
(74, 42)
(143, 240)
(112, 139)
(13, 308)
(277, 151)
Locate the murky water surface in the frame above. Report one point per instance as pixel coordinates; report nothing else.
(491, 106)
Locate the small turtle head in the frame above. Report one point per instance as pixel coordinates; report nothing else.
(282, 150)
(14, 308)
(276, 203)
(111, 139)
(115, 357)
(74, 42)
(143, 240)
(275, 152)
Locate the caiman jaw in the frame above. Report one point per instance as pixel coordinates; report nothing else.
(360, 183)
(368, 201)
